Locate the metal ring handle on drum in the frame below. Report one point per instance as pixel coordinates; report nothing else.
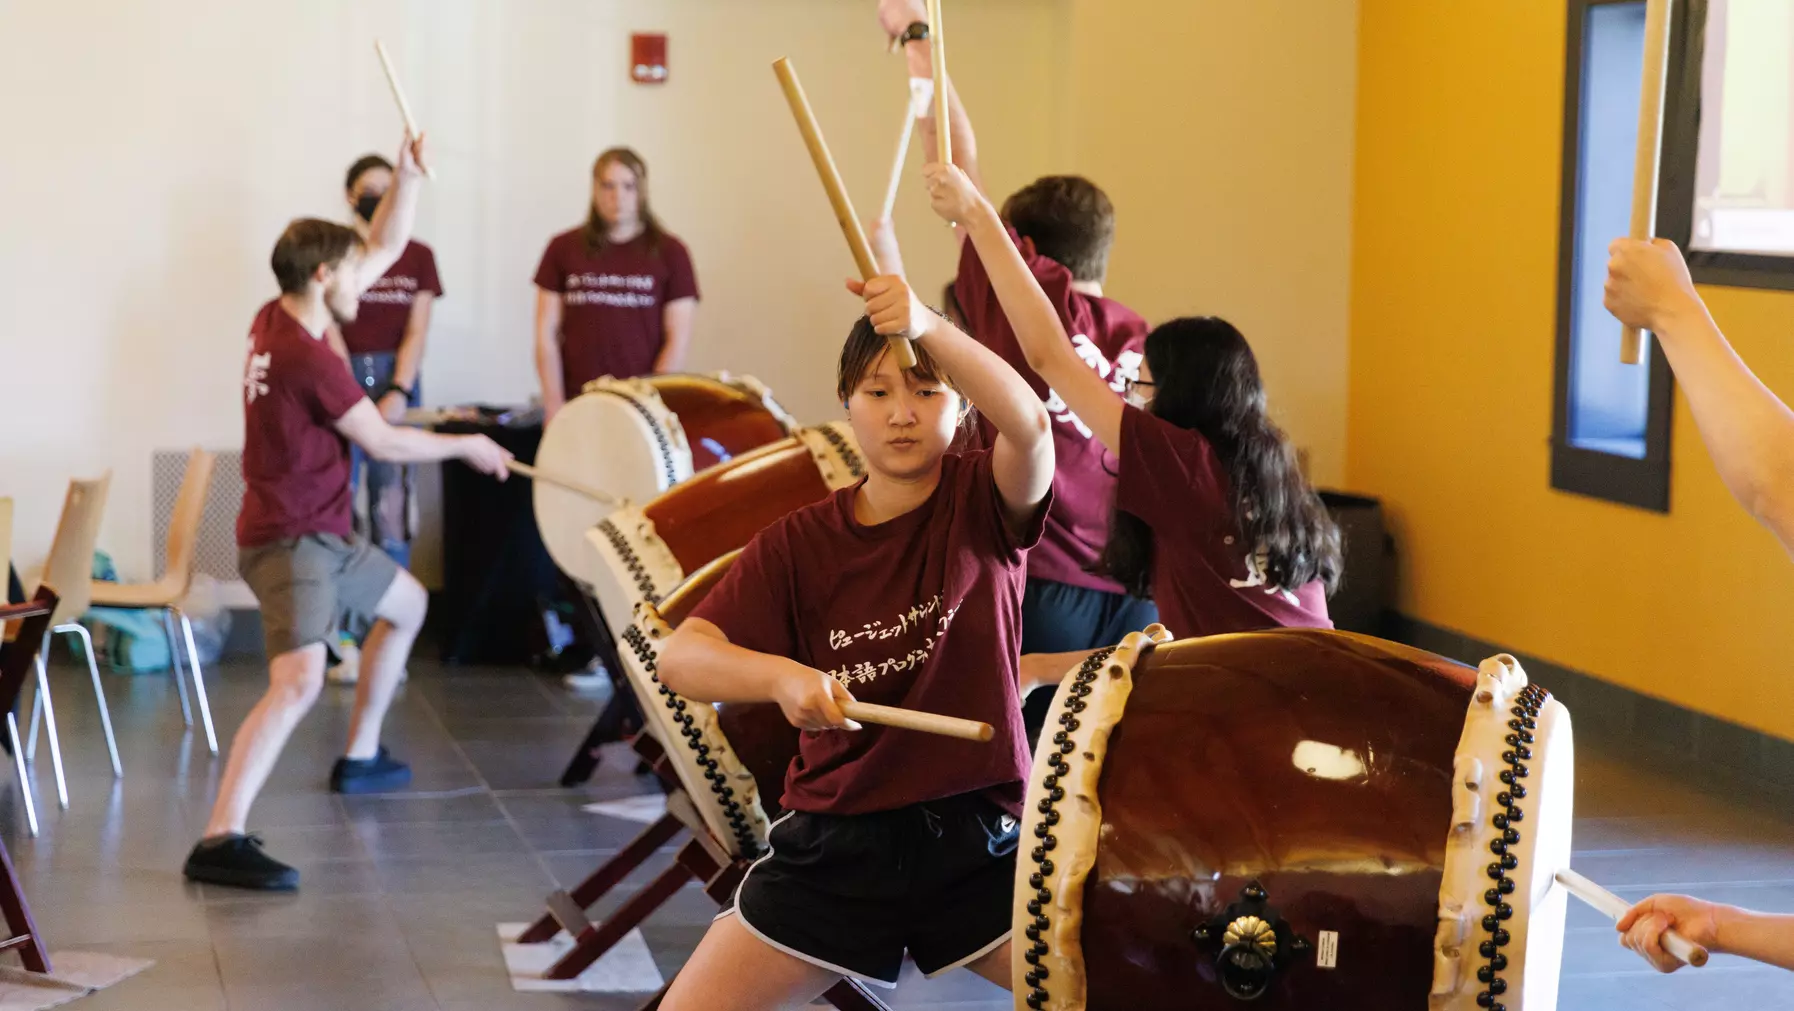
(1243, 981)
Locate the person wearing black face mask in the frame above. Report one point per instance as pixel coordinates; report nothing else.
(385, 348)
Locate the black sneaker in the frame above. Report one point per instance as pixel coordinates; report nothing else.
(238, 861)
(380, 774)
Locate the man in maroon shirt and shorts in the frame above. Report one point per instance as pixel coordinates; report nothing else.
(1064, 226)
(296, 546)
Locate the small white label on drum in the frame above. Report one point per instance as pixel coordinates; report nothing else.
(1327, 954)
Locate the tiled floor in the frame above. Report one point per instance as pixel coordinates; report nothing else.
(401, 893)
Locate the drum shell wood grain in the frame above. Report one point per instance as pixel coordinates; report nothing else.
(1201, 794)
(722, 508)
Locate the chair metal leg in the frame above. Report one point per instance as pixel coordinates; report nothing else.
(43, 693)
(174, 664)
(199, 683)
(99, 693)
(18, 761)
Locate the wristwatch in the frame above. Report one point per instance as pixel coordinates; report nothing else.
(395, 388)
(916, 32)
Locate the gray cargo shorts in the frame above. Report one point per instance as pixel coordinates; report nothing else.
(311, 586)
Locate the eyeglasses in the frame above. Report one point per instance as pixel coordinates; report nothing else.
(1143, 387)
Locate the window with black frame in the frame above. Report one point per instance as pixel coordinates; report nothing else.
(1729, 143)
(1611, 429)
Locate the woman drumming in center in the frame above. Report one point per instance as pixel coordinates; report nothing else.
(903, 590)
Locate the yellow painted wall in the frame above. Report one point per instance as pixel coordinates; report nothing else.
(1223, 132)
(1459, 134)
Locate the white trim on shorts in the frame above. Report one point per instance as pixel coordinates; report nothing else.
(735, 911)
(974, 956)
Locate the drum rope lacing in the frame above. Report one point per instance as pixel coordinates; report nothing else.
(848, 455)
(662, 440)
(694, 738)
(631, 561)
(1053, 793)
(1519, 740)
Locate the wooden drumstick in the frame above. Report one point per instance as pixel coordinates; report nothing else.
(560, 481)
(1615, 907)
(398, 94)
(837, 191)
(937, 47)
(1647, 159)
(915, 719)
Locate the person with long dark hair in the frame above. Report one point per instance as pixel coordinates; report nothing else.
(1213, 519)
(615, 296)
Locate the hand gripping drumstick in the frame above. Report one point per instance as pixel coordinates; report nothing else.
(1647, 159)
(865, 712)
(837, 191)
(937, 47)
(1615, 907)
(549, 477)
(398, 95)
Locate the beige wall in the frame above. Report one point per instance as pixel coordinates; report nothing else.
(154, 151)
(1224, 133)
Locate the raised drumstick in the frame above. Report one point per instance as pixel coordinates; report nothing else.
(398, 94)
(920, 91)
(837, 191)
(937, 47)
(560, 481)
(1647, 159)
(1615, 907)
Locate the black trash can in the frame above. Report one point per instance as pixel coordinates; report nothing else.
(1366, 596)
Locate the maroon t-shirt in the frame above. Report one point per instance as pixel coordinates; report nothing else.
(1109, 337)
(922, 611)
(613, 319)
(1203, 580)
(379, 325)
(295, 463)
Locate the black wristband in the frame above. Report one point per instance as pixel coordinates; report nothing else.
(395, 388)
(916, 32)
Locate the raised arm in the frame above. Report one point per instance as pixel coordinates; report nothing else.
(1032, 316)
(699, 662)
(1748, 431)
(1022, 457)
(363, 425)
(390, 230)
(895, 16)
(548, 352)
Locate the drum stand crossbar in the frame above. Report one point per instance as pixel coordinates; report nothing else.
(702, 858)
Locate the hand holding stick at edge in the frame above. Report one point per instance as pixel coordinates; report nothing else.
(413, 134)
(1612, 905)
(1647, 159)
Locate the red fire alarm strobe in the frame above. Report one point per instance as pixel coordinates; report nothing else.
(648, 58)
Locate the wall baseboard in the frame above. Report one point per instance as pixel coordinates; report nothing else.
(1711, 750)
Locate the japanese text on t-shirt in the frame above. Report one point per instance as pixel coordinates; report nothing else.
(917, 618)
(1126, 367)
(256, 374)
(625, 291)
(392, 291)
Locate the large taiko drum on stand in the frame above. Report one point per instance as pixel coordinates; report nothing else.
(1305, 819)
(730, 759)
(643, 552)
(635, 438)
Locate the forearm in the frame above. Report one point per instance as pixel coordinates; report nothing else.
(1747, 430)
(920, 57)
(1761, 937)
(390, 230)
(414, 445)
(1035, 320)
(548, 369)
(1049, 668)
(1001, 396)
(707, 669)
(676, 324)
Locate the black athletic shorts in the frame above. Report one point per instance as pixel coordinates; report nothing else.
(851, 893)
(1062, 618)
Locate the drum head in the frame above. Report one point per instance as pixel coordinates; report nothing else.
(602, 440)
